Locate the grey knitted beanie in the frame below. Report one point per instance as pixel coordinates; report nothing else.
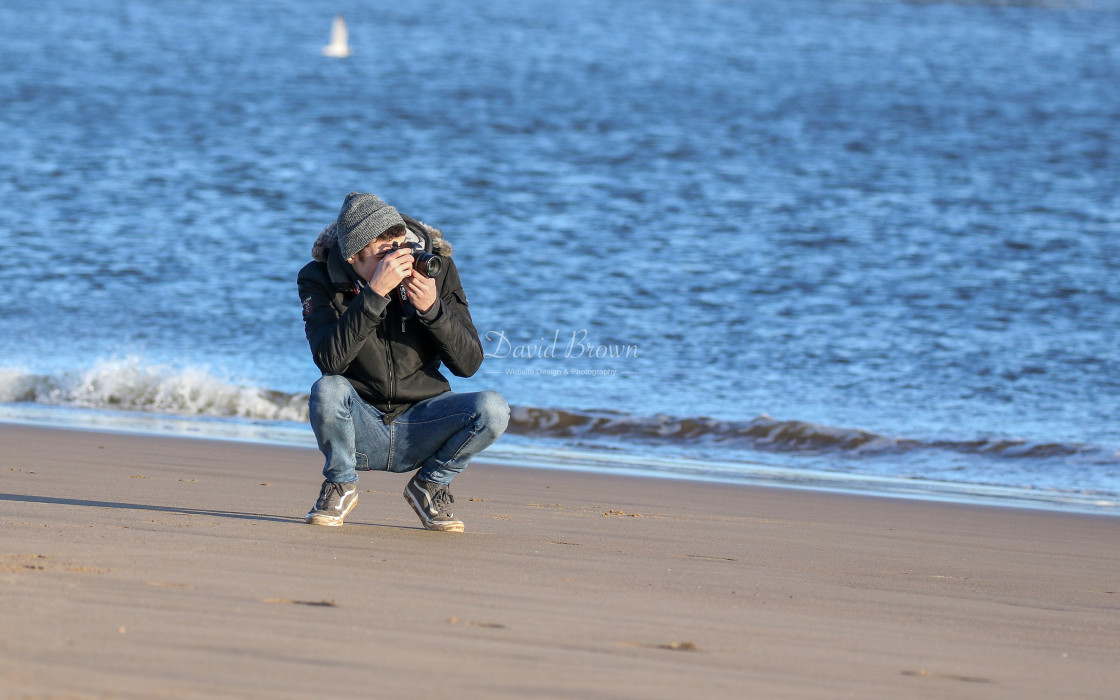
(363, 218)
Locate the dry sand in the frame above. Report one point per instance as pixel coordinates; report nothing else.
(146, 567)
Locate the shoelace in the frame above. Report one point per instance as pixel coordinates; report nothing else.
(443, 499)
(325, 498)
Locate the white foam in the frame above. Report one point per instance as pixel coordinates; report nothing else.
(133, 384)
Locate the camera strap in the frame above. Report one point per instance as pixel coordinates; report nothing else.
(407, 309)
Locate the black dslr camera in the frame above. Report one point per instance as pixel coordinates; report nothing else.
(427, 264)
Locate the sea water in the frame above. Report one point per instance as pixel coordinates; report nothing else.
(872, 246)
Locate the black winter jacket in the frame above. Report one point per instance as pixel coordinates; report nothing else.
(392, 361)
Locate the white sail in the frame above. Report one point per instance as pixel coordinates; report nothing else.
(339, 46)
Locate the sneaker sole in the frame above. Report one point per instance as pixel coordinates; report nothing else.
(330, 520)
(452, 526)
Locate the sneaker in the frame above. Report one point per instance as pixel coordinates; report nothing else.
(432, 502)
(335, 503)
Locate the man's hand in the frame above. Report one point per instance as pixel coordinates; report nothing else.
(387, 274)
(421, 291)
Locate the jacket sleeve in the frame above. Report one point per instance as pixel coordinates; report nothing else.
(336, 339)
(453, 329)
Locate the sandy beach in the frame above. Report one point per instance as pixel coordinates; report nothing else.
(145, 567)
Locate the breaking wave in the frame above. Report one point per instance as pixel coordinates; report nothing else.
(130, 384)
(768, 434)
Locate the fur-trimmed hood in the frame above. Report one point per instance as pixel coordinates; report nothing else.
(429, 236)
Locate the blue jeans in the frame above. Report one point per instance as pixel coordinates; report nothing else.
(438, 436)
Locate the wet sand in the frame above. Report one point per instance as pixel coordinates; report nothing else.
(135, 566)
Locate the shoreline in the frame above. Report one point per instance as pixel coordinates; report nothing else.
(142, 566)
(677, 469)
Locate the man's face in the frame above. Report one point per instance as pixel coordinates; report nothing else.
(376, 250)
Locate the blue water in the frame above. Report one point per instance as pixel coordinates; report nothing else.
(841, 239)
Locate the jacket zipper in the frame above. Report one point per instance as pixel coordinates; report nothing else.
(389, 362)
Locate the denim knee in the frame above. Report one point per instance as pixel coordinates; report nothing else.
(493, 412)
(329, 392)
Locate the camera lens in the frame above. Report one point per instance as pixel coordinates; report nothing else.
(431, 264)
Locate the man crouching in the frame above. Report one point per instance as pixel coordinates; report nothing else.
(379, 328)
